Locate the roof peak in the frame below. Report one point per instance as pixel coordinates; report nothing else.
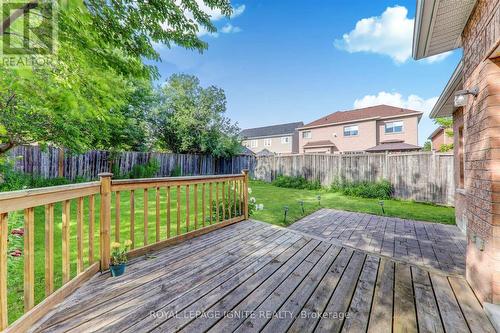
(380, 110)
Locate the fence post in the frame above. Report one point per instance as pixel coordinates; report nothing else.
(245, 192)
(105, 220)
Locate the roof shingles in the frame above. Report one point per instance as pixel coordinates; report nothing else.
(273, 130)
(378, 111)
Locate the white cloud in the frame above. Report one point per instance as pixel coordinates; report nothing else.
(412, 102)
(388, 34)
(215, 15)
(230, 29)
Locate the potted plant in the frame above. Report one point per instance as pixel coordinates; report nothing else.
(119, 257)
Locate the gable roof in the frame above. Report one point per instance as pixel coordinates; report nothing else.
(436, 132)
(399, 146)
(321, 143)
(265, 152)
(273, 130)
(372, 112)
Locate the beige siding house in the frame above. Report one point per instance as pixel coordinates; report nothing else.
(277, 139)
(373, 129)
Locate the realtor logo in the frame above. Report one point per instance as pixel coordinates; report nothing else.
(28, 29)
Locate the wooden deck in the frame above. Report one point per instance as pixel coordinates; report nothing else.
(252, 276)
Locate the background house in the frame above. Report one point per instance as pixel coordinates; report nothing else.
(377, 128)
(439, 137)
(472, 97)
(279, 139)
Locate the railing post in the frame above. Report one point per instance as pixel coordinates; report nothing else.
(245, 192)
(3, 270)
(105, 220)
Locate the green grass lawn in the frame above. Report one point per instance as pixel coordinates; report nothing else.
(273, 198)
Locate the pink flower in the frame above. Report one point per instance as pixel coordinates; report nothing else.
(16, 253)
(18, 231)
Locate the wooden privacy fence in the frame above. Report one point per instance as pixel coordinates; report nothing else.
(183, 207)
(55, 162)
(420, 176)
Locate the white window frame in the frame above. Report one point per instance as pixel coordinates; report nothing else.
(392, 125)
(267, 142)
(285, 140)
(307, 135)
(349, 130)
(254, 143)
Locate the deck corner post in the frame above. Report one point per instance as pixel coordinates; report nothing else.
(245, 192)
(3, 271)
(105, 219)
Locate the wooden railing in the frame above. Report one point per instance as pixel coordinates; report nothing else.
(182, 207)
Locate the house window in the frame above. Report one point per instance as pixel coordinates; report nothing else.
(461, 157)
(350, 130)
(306, 135)
(394, 127)
(285, 140)
(254, 143)
(267, 142)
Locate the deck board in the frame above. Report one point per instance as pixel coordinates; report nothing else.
(254, 277)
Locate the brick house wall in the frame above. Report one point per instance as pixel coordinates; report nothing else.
(481, 148)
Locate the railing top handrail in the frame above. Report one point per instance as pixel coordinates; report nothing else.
(46, 190)
(173, 179)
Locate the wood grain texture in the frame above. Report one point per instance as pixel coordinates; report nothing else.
(105, 221)
(145, 217)
(132, 218)
(168, 211)
(29, 259)
(203, 205)
(195, 206)
(65, 233)
(91, 228)
(4, 233)
(405, 318)
(49, 249)
(117, 216)
(188, 212)
(157, 225)
(79, 235)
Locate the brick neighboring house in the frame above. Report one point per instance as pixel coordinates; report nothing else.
(474, 26)
(278, 139)
(439, 137)
(373, 129)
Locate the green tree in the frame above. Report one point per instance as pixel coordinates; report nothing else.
(190, 119)
(82, 95)
(447, 124)
(427, 146)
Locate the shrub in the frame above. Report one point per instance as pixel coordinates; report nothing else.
(296, 182)
(376, 190)
(176, 172)
(11, 180)
(148, 170)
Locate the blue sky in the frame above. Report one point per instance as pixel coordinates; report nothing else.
(290, 60)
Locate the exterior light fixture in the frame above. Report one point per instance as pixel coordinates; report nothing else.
(319, 199)
(301, 203)
(286, 211)
(381, 203)
(461, 96)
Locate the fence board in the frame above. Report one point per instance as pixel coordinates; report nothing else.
(46, 163)
(420, 176)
